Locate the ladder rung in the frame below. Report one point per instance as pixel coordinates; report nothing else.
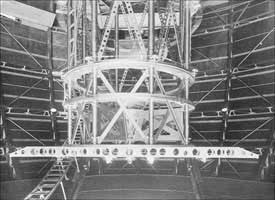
(41, 192)
(58, 170)
(33, 194)
(55, 174)
(60, 165)
(47, 185)
(63, 161)
(38, 197)
(33, 198)
(51, 179)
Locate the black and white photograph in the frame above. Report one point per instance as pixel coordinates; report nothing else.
(137, 99)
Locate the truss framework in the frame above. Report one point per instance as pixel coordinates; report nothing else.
(134, 102)
(148, 111)
(135, 151)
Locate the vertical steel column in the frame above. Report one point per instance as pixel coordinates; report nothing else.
(265, 166)
(229, 72)
(151, 105)
(151, 25)
(94, 55)
(181, 25)
(116, 45)
(70, 114)
(94, 28)
(187, 58)
(151, 121)
(195, 176)
(84, 16)
(5, 139)
(94, 106)
(72, 32)
(186, 23)
(227, 83)
(68, 33)
(69, 63)
(55, 137)
(3, 123)
(84, 131)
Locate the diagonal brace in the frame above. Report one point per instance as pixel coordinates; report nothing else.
(169, 106)
(26, 131)
(140, 81)
(111, 89)
(263, 124)
(110, 125)
(162, 124)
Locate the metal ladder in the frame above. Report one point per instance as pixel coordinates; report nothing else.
(78, 129)
(77, 137)
(57, 173)
(54, 177)
(163, 39)
(72, 32)
(107, 29)
(134, 30)
(51, 180)
(177, 32)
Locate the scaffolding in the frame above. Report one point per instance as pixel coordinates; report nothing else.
(135, 104)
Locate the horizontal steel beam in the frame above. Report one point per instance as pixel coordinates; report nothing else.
(31, 98)
(134, 151)
(132, 97)
(206, 121)
(34, 54)
(271, 47)
(248, 69)
(257, 73)
(35, 119)
(235, 99)
(23, 68)
(224, 28)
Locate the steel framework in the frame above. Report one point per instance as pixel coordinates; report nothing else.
(136, 102)
(137, 117)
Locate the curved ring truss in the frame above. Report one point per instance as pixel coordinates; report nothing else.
(152, 86)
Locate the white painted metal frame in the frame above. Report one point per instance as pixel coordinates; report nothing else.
(135, 151)
(92, 94)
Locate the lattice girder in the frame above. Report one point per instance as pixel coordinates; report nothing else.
(132, 103)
